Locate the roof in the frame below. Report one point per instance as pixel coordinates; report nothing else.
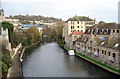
(99, 40)
(77, 33)
(105, 26)
(80, 18)
(30, 25)
(102, 28)
(102, 41)
(83, 39)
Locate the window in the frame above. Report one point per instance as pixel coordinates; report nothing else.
(78, 22)
(97, 50)
(81, 26)
(105, 52)
(75, 36)
(78, 26)
(71, 30)
(88, 48)
(78, 30)
(113, 31)
(71, 27)
(90, 42)
(81, 30)
(102, 52)
(114, 55)
(108, 53)
(117, 31)
(88, 30)
(94, 49)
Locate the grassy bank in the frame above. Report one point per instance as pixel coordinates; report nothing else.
(97, 63)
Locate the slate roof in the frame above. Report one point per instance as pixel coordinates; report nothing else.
(106, 26)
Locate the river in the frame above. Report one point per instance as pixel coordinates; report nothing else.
(50, 60)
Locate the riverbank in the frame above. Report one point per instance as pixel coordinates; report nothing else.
(16, 69)
(110, 69)
(17, 57)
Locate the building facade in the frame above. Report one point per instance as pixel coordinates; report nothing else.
(101, 43)
(76, 24)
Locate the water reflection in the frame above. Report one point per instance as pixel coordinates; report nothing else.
(51, 61)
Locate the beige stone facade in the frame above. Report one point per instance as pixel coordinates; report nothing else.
(101, 43)
(101, 47)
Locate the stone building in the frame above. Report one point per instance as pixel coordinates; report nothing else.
(75, 27)
(101, 43)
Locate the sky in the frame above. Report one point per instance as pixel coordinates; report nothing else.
(102, 10)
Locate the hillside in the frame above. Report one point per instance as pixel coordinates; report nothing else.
(35, 18)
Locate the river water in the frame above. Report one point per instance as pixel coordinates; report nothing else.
(50, 60)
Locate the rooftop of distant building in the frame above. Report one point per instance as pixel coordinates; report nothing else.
(80, 18)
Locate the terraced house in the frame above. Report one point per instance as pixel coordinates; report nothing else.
(101, 43)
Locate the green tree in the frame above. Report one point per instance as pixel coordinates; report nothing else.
(34, 34)
(10, 27)
(6, 60)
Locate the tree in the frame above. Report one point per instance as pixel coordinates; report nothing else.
(34, 34)
(10, 27)
(6, 60)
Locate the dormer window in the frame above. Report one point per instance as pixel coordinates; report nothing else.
(102, 43)
(89, 31)
(106, 30)
(102, 30)
(113, 31)
(92, 30)
(116, 45)
(97, 30)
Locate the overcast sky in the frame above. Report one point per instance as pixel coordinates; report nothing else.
(105, 10)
